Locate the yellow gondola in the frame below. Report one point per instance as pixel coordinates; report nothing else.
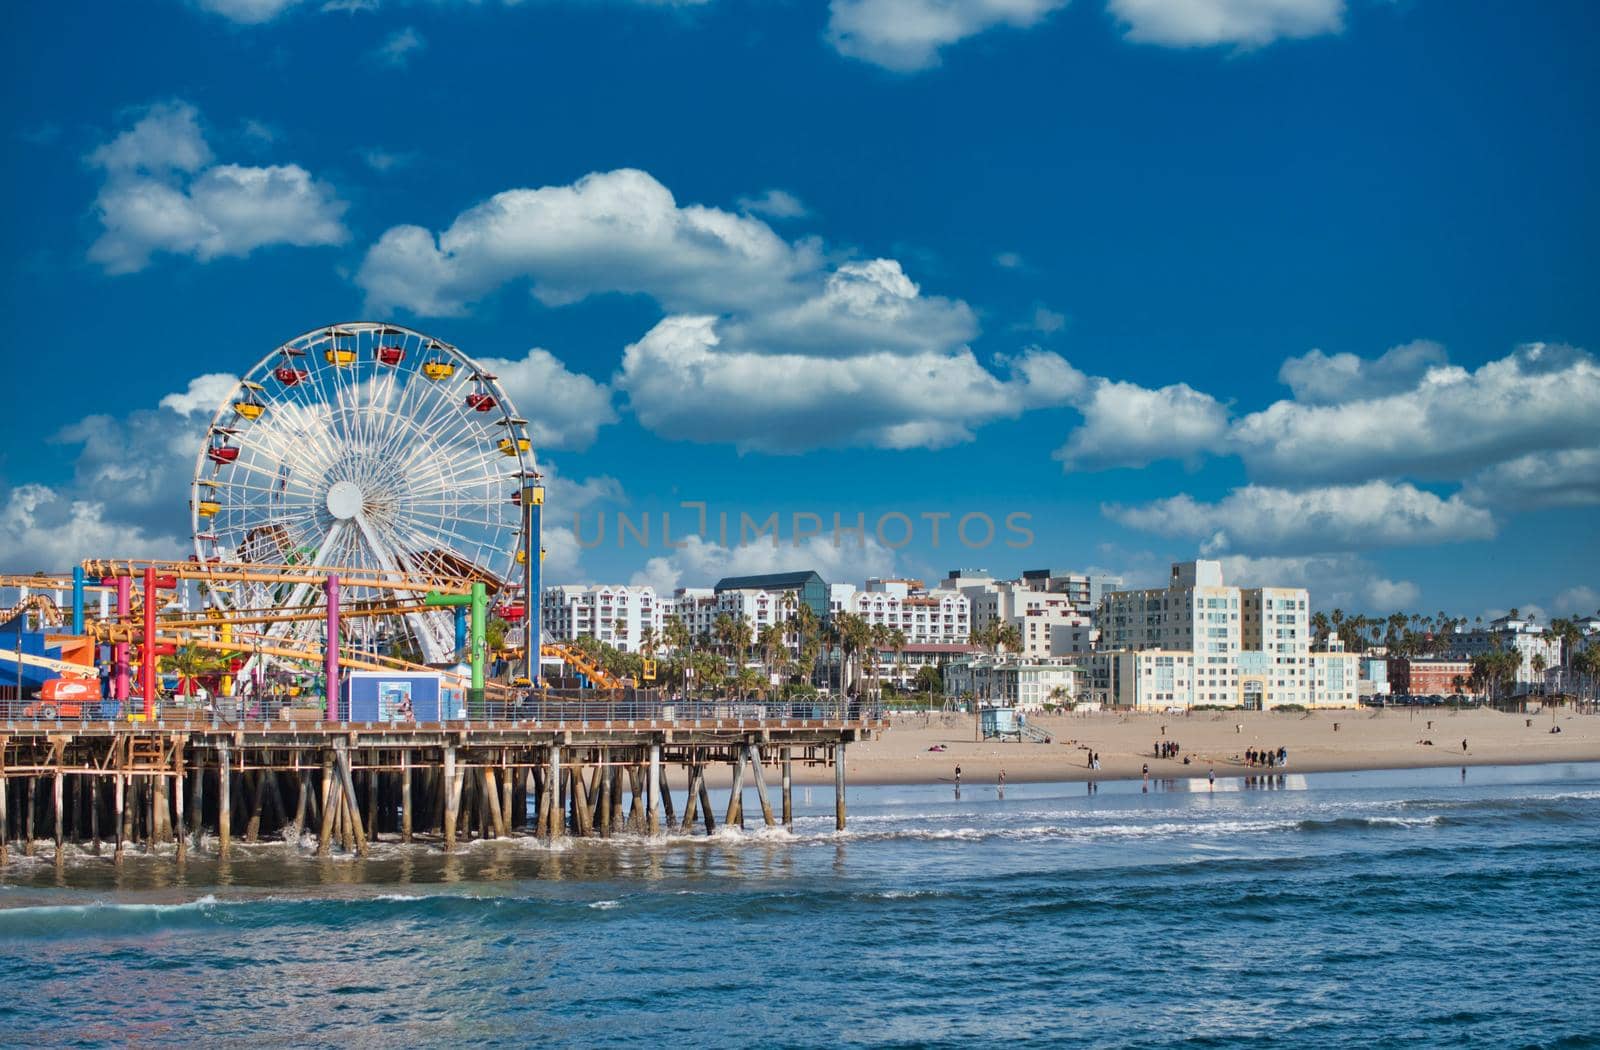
(208, 507)
(340, 357)
(437, 370)
(249, 409)
(509, 447)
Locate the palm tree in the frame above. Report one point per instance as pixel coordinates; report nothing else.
(1008, 637)
(897, 642)
(769, 642)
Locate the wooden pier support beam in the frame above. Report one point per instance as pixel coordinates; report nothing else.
(181, 831)
(838, 786)
(124, 818)
(552, 787)
(197, 796)
(735, 813)
(705, 799)
(341, 758)
(5, 804)
(58, 793)
(788, 788)
(405, 795)
(761, 784)
(452, 796)
(224, 799)
(653, 792)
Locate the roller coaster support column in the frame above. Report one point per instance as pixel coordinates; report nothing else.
(119, 652)
(532, 577)
(330, 667)
(147, 652)
(77, 599)
(478, 604)
(461, 632)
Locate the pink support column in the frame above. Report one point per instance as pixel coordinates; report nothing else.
(331, 647)
(147, 665)
(119, 651)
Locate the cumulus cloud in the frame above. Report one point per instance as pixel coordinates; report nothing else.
(204, 394)
(1333, 580)
(1321, 379)
(565, 409)
(774, 204)
(617, 231)
(1259, 518)
(1579, 600)
(701, 562)
(1207, 23)
(1127, 425)
(42, 530)
(1567, 478)
(163, 194)
(1044, 321)
(1452, 421)
(907, 35)
(682, 384)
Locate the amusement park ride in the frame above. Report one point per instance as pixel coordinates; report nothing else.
(365, 498)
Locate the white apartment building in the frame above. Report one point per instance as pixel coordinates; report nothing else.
(613, 613)
(1336, 677)
(1198, 641)
(1508, 633)
(1050, 622)
(1024, 684)
(927, 617)
(1084, 590)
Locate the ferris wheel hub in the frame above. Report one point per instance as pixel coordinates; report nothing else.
(345, 500)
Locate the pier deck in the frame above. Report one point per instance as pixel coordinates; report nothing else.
(583, 770)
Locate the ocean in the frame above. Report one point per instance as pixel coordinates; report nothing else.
(1396, 908)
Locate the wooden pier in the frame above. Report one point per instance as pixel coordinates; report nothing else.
(116, 786)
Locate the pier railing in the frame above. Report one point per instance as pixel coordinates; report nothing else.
(532, 708)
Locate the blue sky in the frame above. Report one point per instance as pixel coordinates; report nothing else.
(1304, 284)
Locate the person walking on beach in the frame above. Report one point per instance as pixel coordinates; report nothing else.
(1146, 771)
(1463, 746)
(1211, 775)
(958, 776)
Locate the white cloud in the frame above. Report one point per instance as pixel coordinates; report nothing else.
(683, 385)
(618, 231)
(162, 194)
(564, 409)
(701, 563)
(774, 204)
(400, 46)
(1318, 378)
(1009, 261)
(1206, 23)
(43, 531)
(1567, 478)
(1334, 581)
(1126, 425)
(1579, 600)
(907, 35)
(1451, 423)
(1260, 519)
(248, 12)
(862, 307)
(205, 394)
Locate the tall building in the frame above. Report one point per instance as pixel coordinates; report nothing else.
(614, 613)
(1198, 641)
(1084, 590)
(1510, 633)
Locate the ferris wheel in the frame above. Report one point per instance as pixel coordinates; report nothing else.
(370, 447)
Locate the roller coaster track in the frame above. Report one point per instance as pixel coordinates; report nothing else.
(259, 572)
(43, 604)
(583, 664)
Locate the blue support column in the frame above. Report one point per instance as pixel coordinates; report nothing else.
(77, 599)
(461, 632)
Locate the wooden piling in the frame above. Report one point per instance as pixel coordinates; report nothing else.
(838, 786)
(761, 784)
(705, 801)
(405, 795)
(552, 786)
(57, 791)
(224, 799)
(330, 807)
(788, 789)
(735, 813)
(197, 796)
(181, 830)
(122, 816)
(341, 757)
(653, 792)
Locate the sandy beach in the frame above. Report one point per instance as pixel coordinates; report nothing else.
(1363, 739)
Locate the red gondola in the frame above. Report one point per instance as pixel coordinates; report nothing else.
(514, 611)
(289, 376)
(223, 453)
(391, 355)
(481, 402)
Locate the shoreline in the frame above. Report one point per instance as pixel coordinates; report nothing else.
(1329, 741)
